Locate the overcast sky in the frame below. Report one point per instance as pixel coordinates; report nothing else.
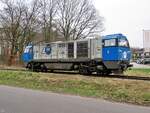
(129, 17)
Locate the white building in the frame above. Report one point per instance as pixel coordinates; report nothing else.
(146, 40)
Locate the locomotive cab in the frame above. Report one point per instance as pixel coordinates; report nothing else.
(116, 52)
(27, 56)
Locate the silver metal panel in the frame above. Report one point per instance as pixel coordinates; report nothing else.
(146, 40)
(59, 50)
(83, 49)
(36, 52)
(96, 48)
(75, 50)
(62, 51)
(43, 55)
(54, 53)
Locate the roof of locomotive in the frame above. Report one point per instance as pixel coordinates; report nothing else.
(107, 37)
(114, 36)
(85, 39)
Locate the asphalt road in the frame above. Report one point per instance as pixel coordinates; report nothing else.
(18, 100)
(142, 66)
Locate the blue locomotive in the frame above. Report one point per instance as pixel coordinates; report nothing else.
(103, 55)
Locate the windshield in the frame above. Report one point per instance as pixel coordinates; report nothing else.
(123, 43)
(110, 42)
(28, 49)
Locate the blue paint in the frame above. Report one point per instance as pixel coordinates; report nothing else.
(116, 53)
(110, 53)
(113, 36)
(48, 49)
(124, 54)
(27, 56)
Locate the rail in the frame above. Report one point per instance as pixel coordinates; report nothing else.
(125, 77)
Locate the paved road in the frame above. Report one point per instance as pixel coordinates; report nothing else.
(135, 65)
(17, 100)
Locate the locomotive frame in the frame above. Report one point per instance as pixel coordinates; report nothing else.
(85, 56)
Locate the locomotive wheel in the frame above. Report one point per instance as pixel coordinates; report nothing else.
(84, 71)
(103, 73)
(51, 71)
(33, 68)
(81, 71)
(106, 73)
(43, 68)
(99, 73)
(29, 66)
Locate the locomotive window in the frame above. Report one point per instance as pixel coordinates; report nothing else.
(28, 50)
(71, 50)
(82, 49)
(123, 43)
(61, 45)
(111, 42)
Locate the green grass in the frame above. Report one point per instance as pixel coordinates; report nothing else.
(139, 72)
(113, 89)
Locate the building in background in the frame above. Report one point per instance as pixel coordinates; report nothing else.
(146, 40)
(137, 53)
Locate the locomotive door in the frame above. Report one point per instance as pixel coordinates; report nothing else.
(110, 50)
(98, 48)
(54, 51)
(82, 49)
(36, 51)
(70, 50)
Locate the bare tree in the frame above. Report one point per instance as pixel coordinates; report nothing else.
(30, 24)
(78, 19)
(17, 20)
(10, 18)
(48, 14)
(21, 20)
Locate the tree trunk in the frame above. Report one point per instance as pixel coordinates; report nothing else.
(11, 56)
(11, 60)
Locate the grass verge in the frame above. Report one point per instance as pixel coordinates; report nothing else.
(114, 89)
(138, 72)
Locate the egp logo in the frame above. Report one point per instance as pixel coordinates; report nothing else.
(48, 49)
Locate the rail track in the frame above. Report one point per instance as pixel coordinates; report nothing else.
(126, 77)
(12, 69)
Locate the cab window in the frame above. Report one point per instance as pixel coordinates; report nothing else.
(28, 50)
(123, 43)
(110, 42)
